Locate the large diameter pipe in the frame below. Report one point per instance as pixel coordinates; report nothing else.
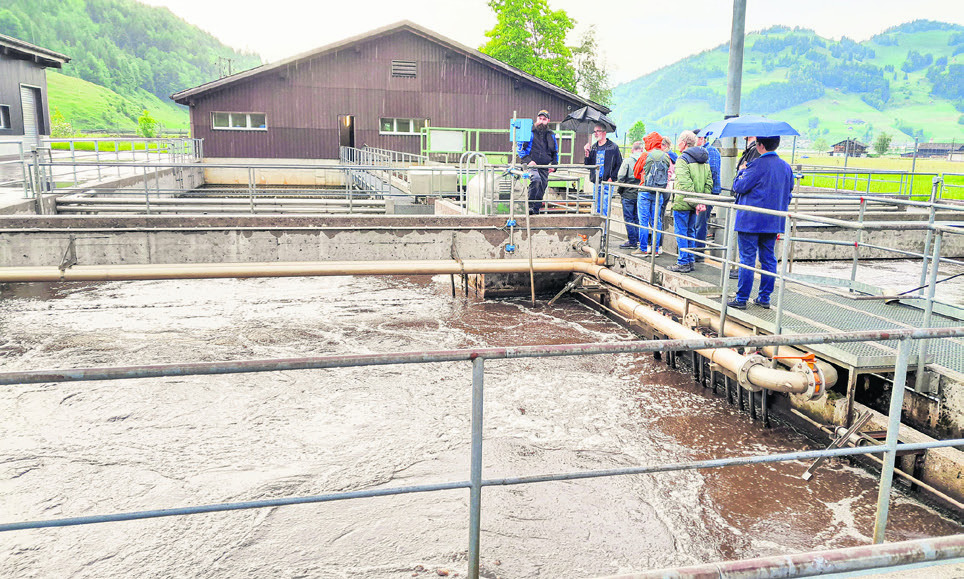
(676, 305)
(815, 563)
(286, 269)
(749, 370)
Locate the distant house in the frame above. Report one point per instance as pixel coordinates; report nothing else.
(849, 148)
(948, 150)
(23, 90)
(377, 89)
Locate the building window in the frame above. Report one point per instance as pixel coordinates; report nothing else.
(5, 117)
(404, 68)
(401, 126)
(239, 121)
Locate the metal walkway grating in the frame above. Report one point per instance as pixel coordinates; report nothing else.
(812, 310)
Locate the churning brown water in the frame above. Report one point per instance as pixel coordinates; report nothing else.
(100, 447)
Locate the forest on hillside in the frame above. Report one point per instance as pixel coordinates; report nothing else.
(121, 44)
(906, 67)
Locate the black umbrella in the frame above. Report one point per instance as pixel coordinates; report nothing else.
(583, 120)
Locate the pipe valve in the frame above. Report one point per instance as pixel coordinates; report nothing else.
(809, 368)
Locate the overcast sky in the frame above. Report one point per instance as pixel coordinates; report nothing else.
(636, 36)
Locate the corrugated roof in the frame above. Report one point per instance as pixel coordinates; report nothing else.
(183, 96)
(9, 44)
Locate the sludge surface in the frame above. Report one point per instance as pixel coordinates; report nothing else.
(86, 448)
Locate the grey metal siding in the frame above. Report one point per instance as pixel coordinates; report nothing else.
(303, 100)
(13, 73)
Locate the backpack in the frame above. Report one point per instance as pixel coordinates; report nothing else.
(658, 173)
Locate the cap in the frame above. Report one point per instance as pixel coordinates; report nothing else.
(544, 113)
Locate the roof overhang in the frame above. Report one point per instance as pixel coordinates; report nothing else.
(15, 48)
(186, 96)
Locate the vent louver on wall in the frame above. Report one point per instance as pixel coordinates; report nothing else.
(404, 68)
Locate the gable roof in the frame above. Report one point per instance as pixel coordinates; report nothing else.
(26, 51)
(183, 96)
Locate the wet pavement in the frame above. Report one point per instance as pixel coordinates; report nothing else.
(100, 447)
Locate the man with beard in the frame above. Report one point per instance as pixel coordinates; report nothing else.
(541, 150)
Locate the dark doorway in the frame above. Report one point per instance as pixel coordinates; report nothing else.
(346, 130)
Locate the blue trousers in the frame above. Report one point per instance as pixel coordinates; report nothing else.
(701, 219)
(632, 221)
(684, 223)
(649, 216)
(753, 246)
(538, 181)
(601, 198)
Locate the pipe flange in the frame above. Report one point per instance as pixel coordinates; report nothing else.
(691, 321)
(743, 376)
(815, 380)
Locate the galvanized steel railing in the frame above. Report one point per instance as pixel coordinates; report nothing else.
(477, 357)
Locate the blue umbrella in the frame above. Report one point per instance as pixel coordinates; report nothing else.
(748, 126)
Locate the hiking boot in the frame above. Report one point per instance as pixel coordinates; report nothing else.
(626, 245)
(764, 305)
(736, 305)
(734, 274)
(639, 252)
(682, 268)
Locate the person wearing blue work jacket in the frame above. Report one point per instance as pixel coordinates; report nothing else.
(767, 182)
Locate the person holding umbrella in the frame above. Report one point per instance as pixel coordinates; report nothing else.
(605, 155)
(767, 183)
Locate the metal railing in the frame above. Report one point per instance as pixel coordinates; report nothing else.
(470, 140)
(476, 481)
(13, 166)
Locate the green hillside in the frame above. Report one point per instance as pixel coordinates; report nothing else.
(91, 107)
(130, 48)
(907, 81)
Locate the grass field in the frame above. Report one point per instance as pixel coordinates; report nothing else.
(109, 146)
(924, 171)
(91, 107)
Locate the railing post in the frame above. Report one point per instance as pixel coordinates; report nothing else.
(927, 246)
(25, 171)
(928, 311)
(654, 237)
(893, 427)
(251, 187)
(97, 156)
(857, 242)
(38, 181)
(725, 269)
(117, 157)
(73, 161)
(147, 193)
(778, 323)
(475, 491)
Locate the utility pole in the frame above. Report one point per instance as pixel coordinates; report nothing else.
(734, 84)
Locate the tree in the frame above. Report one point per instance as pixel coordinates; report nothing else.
(882, 143)
(531, 37)
(592, 79)
(636, 132)
(820, 144)
(147, 125)
(60, 127)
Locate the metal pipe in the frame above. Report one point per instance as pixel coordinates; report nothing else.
(745, 368)
(815, 563)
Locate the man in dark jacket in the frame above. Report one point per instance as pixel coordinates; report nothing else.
(603, 153)
(542, 149)
(767, 183)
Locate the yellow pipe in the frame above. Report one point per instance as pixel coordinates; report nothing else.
(749, 369)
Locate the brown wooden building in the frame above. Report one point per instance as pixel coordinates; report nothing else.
(376, 89)
(849, 148)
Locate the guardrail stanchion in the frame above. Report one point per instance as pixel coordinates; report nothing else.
(778, 323)
(25, 171)
(725, 269)
(475, 490)
(893, 427)
(932, 215)
(859, 239)
(73, 161)
(921, 375)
